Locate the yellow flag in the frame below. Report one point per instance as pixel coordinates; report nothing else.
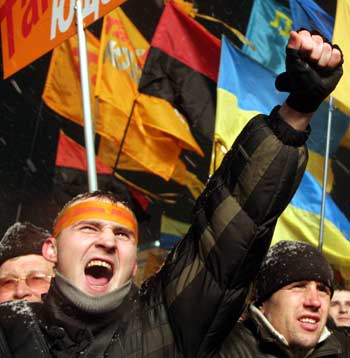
(148, 262)
(62, 91)
(107, 153)
(341, 38)
(315, 166)
(345, 142)
(302, 225)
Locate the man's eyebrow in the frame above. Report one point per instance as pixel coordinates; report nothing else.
(87, 222)
(9, 273)
(116, 226)
(36, 271)
(124, 229)
(14, 274)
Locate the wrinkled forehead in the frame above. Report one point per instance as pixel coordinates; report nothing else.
(95, 208)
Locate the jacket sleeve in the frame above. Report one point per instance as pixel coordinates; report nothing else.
(207, 276)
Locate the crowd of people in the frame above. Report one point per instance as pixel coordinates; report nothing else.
(70, 293)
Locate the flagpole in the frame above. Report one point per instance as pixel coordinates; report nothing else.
(85, 90)
(325, 172)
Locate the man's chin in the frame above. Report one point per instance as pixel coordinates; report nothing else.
(304, 344)
(343, 323)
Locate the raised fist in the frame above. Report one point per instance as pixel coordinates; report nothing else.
(313, 70)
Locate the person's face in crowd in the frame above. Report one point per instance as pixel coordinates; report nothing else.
(96, 255)
(24, 278)
(340, 308)
(299, 312)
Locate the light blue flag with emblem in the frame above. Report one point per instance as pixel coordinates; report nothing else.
(268, 30)
(246, 88)
(307, 14)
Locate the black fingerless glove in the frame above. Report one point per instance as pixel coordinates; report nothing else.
(307, 83)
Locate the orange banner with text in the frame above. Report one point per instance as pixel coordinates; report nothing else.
(31, 28)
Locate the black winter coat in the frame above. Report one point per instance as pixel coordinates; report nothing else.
(249, 339)
(188, 308)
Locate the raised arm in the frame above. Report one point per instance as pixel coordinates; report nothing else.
(207, 276)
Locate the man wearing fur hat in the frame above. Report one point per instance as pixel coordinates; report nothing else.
(24, 273)
(288, 318)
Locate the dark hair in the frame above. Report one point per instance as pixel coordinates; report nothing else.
(341, 286)
(99, 194)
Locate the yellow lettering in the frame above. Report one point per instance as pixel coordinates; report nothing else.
(282, 22)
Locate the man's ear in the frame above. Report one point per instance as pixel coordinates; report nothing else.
(134, 270)
(49, 250)
(262, 308)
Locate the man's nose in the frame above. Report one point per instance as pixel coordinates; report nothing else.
(344, 308)
(312, 298)
(22, 290)
(107, 240)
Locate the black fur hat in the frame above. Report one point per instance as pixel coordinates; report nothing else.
(22, 239)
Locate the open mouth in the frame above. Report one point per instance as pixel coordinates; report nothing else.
(308, 320)
(98, 272)
(309, 323)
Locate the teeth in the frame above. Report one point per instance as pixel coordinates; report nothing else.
(100, 263)
(308, 320)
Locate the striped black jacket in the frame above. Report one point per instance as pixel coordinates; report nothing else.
(188, 307)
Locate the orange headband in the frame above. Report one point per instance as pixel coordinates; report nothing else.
(95, 210)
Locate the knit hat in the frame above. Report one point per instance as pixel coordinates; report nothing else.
(22, 239)
(288, 262)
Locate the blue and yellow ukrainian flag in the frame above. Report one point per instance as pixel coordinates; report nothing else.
(301, 221)
(246, 88)
(171, 231)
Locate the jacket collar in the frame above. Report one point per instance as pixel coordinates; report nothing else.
(270, 334)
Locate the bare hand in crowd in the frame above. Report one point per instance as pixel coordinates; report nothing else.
(314, 48)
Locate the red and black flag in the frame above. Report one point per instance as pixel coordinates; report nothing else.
(182, 67)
